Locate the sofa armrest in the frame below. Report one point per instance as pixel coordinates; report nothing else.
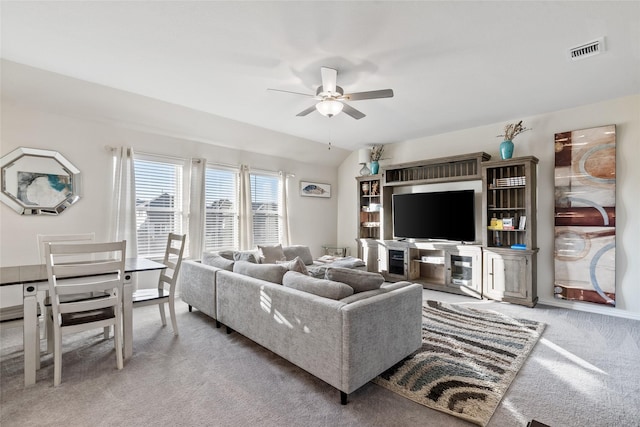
(198, 286)
(379, 332)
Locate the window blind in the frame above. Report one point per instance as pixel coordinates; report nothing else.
(264, 204)
(159, 203)
(221, 209)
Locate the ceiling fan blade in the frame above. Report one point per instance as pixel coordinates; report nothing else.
(348, 109)
(307, 111)
(295, 93)
(384, 93)
(329, 79)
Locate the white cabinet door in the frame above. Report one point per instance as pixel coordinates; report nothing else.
(506, 276)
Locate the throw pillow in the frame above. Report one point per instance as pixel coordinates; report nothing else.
(215, 260)
(271, 254)
(290, 252)
(249, 256)
(359, 280)
(268, 272)
(227, 255)
(295, 264)
(320, 287)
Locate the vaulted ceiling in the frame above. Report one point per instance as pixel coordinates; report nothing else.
(452, 65)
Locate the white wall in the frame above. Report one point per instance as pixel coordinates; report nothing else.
(623, 112)
(82, 141)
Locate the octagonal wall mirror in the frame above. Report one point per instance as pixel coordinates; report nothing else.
(38, 182)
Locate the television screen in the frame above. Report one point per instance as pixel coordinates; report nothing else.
(446, 215)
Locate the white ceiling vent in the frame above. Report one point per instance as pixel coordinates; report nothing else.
(586, 50)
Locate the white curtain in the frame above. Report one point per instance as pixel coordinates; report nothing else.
(245, 210)
(123, 200)
(283, 209)
(197, 208)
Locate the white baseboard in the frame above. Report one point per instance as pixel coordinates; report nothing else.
(590, 308)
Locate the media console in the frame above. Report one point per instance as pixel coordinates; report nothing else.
(442, 266)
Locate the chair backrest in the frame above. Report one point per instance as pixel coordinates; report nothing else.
(44, 239)
(173, 261)
(103, 278)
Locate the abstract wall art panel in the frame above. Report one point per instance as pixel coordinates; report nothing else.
(585, 215)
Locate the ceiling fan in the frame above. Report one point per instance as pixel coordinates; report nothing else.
(331, 97)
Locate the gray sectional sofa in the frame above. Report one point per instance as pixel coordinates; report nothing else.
(343, 333)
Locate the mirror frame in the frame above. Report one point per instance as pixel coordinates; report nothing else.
(23, 209)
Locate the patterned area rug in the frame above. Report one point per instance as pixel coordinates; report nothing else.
(467, 361)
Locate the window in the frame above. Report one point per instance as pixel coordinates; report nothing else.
(159, 202)
(264, 204)
(221, 209)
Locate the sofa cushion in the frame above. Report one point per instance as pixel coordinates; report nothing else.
(387, 287)
(320, 287)
(271, 254)
(360, 281)
(215, 260)
(302, 251)
(269, 272)
(295, 264)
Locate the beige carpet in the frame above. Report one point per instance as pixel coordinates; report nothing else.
(581, 373)
(468, 359)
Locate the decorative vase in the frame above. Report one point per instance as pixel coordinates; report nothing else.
(365, 188)
(374, 167)
(506, 149)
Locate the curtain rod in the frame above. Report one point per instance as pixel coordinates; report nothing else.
(198, 160)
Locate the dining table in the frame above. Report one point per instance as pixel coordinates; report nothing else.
(34, 279)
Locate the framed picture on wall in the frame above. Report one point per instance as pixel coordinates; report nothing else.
(315, 189)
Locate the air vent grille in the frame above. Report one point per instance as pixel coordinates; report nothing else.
(586, 50)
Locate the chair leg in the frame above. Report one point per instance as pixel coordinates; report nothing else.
(57, 357)
(107, 332)
(162, 316)
(38, 344)
(172, 313)
(48, 319)
(117, 338)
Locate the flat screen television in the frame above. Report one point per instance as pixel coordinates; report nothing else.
(445, 215)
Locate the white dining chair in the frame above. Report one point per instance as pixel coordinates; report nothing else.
(99, 276)
(166, 290)
(45, 306)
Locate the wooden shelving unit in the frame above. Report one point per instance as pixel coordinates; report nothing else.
(494, 269)
(369, 218)
(509, 195)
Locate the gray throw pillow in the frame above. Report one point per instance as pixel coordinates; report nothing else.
(227, 255)
(268, 272)
(215, 260)
(249, 256)
(359, 280)
(291, 252)
(295, 264)
(271, 254)
(320, 287)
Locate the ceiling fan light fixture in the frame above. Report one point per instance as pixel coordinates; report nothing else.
(329, 107)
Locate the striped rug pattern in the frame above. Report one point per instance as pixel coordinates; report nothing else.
(467, 361)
